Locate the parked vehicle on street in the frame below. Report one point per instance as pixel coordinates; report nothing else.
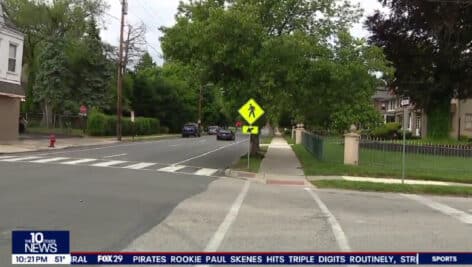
(190, 129)
(213, 130)
(224, 134)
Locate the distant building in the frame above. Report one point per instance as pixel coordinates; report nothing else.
(11, 91)
(389, 105)
(461, 118)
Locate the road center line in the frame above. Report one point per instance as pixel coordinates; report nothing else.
(444, 209)
(218, 236)
(209, 152)
(117, 155)
(338, 232)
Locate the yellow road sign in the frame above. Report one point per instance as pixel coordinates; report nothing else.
(250, 129)
(251, 111)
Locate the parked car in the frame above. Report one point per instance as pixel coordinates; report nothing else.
(213, 130)
(190, 129)
(224, 134)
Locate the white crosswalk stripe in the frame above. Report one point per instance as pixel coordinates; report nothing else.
(206, 172)
(199, 171)
(138, 166)
(108, 163)
(49, 160)
(78, 161)
(172, 168)
(7, 157)
(20, 159)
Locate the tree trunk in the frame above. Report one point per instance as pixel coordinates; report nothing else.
(254, 144)
(46, 121)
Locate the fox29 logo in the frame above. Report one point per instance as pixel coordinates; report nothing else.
(40, 242)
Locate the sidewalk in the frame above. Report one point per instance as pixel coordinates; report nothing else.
(280, 164)
(39, 144)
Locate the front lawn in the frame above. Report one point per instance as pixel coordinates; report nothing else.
(377, 163)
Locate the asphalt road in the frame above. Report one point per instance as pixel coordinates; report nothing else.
(169, 195)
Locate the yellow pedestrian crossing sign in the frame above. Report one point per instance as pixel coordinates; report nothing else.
(251, 111)
(250, 129)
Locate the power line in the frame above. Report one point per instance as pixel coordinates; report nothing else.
(155, 15)
(112, 16)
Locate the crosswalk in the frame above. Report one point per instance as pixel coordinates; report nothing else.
(104, 163)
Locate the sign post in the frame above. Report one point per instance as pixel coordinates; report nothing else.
(83, 115)
(249, 153)
(404, 103)
(132, 122)
(251, 112)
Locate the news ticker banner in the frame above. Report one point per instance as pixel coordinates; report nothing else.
(53, 247)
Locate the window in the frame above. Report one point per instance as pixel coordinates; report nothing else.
(12, 58)
(409, 121)
(468, 121)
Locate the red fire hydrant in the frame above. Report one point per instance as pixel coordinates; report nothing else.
(52, 140)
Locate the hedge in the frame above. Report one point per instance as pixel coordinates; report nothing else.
(387, 131)
(99, 124)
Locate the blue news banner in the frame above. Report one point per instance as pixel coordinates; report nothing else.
(53, 247)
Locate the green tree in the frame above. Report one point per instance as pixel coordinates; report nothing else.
(429, 45)
(63, 22)
(91, 70)
(50, 88)
(278, 52)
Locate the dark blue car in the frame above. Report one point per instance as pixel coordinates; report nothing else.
(191, 129)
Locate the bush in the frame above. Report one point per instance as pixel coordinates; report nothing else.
(164, 130)
(99, 124)
(387, 131)
(408, 134)
(287, 131)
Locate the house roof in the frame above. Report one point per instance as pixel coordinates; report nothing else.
(11, 89)
(383, 95)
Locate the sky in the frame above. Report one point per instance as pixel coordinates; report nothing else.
(157, 13)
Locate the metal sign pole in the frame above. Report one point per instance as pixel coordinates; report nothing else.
(249, 150)
(404, 144)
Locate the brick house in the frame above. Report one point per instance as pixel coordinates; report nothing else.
(389, 105)
(11, 91)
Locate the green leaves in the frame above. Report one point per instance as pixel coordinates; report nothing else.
(282, 54)
(429, 44)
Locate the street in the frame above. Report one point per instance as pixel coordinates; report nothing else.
(171, 195)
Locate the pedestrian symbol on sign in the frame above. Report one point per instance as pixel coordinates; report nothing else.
(251, 110)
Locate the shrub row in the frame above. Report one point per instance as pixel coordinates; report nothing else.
(99, 124)
(390, 130)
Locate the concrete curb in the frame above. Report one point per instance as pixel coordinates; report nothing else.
(90, 145)
(387, 180)
(263, 179)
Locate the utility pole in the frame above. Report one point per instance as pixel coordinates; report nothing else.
(200, 107)
(119, 87)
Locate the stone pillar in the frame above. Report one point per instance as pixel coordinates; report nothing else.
(298, 133)
(293, 131)
(351, 147)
